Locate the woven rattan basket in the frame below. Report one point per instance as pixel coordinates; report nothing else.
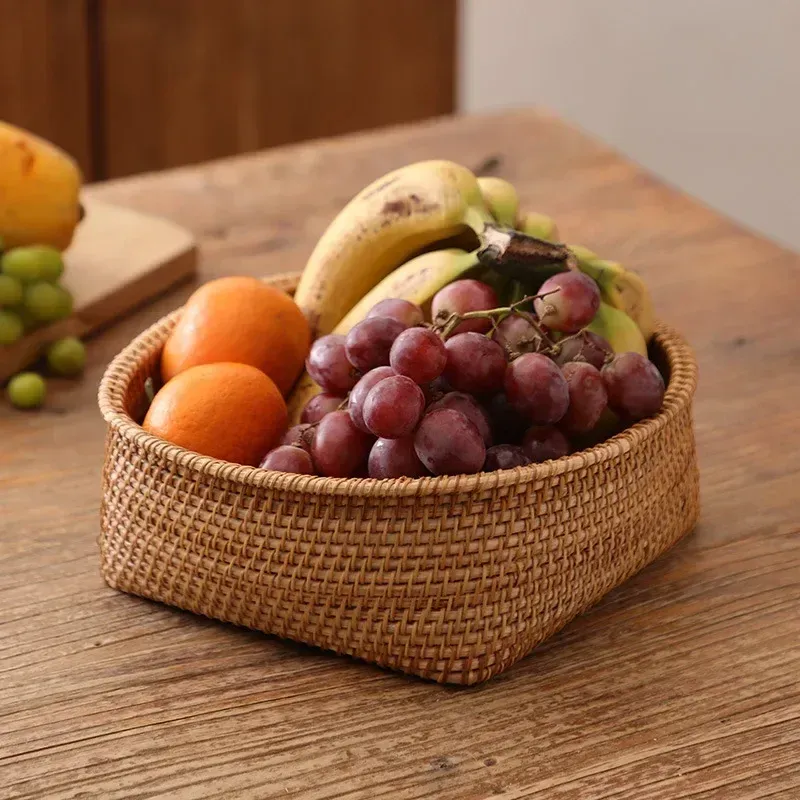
(451, 578)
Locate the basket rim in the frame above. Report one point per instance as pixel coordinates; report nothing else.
(121, 370)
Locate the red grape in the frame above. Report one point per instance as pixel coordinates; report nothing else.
(475, 364)
(300, 436)
(517, 334)
(328, 365)
(402, 310)
(470, 408)
(508, 425)
(536, 388)
(634, 385)
(320, 405)
(288, 458)
(585, 346)
(419, 354)
(393, 407)
(358, 395)
(395, 458)
(504, 456)
(570, 308)
(587, 397)
(340, 449)
(369, 342)
(447, 443)
(462, 296)
(543, 442)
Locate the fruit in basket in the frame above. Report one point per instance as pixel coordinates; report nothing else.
(289, 458)
(26, 390)
(328, 365)
(587, 397)
(11, 327)
(66, 357)
(241, 320)
(410, 314)
(538, 225)
(447, 443)
(368, 343)
(624, 290)
(475, 363)
(225, 410)
(584, 346)
(415, 283)
(634, 385)
(470, 408)
(618, 329)
(393, 407)
(501, 198)
(419, 354)
(320, 405)
(340, 449)
(461, 297)
(511, 364)
(620, 288)
(360, 392)
(544, 443)
(537, 389)
(382, 227)
(567, 302)
(300, 435)
(395, 458)
(505, 456)
(39, 185)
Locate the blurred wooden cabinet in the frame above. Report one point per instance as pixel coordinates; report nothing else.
(136, 85)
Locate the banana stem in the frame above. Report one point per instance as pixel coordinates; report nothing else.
(502, 248)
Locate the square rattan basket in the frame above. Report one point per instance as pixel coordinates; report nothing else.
(451, 578)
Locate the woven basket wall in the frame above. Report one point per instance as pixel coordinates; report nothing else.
(452, 578)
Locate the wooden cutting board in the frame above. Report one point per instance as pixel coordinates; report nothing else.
(118, 260)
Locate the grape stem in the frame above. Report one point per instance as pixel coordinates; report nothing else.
(450, 323)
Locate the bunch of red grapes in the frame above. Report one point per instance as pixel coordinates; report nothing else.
(481, 388)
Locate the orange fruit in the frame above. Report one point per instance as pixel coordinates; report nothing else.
(229, 411)
(242, 320)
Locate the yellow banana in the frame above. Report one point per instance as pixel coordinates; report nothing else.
(539, 225)
(501, 199)
(39, 186)
(417, 280)
(618, 329)
(619, 288)
(382, 227)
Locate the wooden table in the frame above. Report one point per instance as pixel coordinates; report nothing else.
(683, 683)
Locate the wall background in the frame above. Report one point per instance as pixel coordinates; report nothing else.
(705, 93)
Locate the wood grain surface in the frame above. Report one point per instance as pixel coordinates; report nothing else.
(45, 72)
(189, 80)
(681, 684)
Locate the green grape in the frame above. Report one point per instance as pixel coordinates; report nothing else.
(47, 302)
(67, 357)
(33, 263)
(11, 328)
(10, 291)
(26, 390)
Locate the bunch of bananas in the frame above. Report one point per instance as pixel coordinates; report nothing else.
(423, 226)
(39, 185)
